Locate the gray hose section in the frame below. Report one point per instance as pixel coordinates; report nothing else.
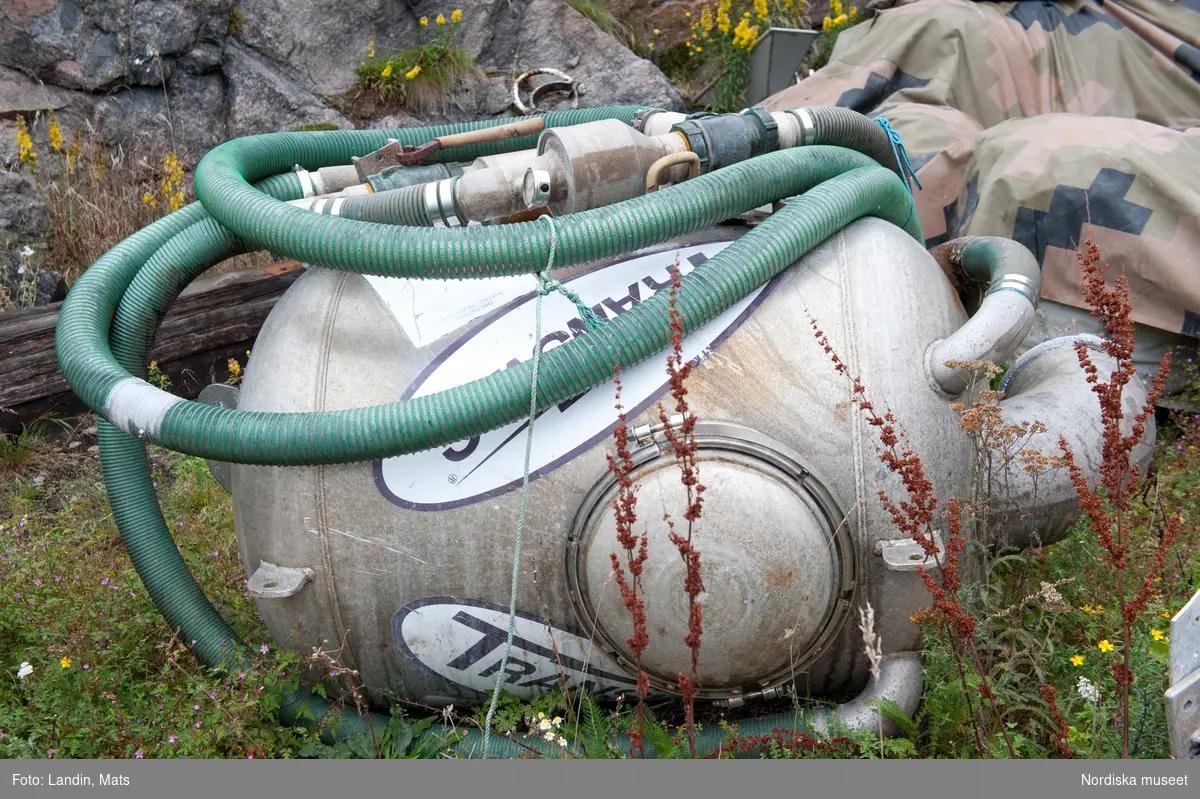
(404, 206)
(1006, 265)
(1004, 318)
(854, 131)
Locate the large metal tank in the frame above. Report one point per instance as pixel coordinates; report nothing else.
(409, 560)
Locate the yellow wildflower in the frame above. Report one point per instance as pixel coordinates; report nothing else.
(424, 22)
(657, 32)
(840, 20)
(826, 24)
(1157, 635)
(456, 16)
(65, 663)
(1164, 615)
(148, 200)
(687, 14)
(234, 367)
(25, 150)
(412, 73)
(835, 8)
(1088, 609)
(1105, 646)
(706, 19)
(723, 23)
(387, 71)
(55, 133)
(370, 48)
(745, 36)
(699, 49)
(853, 12)
(172, 185)
(73, 151)
(760, 9)
(441, 19)
(1077, 660)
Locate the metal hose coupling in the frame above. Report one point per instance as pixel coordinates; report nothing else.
(1005, 264)
(723, 139)
(1004, 318)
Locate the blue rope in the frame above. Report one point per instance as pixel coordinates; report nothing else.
(545, 285)
(906, 167)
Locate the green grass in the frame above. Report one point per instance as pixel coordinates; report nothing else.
(419, 78)
(109, 679)
(70, 591)
(603, 18)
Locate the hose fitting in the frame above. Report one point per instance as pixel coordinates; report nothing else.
(1006, 315)
(724, 139)
(1004, 263)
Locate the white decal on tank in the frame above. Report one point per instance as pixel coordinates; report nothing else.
(493, 463)
(463, 641)
(429, 309)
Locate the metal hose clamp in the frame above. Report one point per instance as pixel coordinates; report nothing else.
(564, 83)
(439, 203)
(808, 127)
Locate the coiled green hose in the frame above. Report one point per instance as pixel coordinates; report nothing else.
(108, 321)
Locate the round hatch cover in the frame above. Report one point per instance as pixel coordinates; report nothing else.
(776, 563)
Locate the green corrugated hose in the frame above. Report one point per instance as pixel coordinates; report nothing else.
(108, 323)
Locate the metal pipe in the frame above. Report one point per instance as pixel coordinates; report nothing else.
(899, 682)
(1003, 320)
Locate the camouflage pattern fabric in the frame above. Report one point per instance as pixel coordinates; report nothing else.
(1048, 123)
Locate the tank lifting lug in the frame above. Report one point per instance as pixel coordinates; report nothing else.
(277, 582)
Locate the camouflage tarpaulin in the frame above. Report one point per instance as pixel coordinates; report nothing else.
(1048, 123)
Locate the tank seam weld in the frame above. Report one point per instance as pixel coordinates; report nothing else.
(322, 519)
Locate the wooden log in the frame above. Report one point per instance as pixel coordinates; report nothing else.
(215, 319)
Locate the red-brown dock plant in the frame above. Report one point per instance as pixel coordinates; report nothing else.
(625, 511)
(1107, 505)
(914, 516)
(683, 446)
(1059, 735)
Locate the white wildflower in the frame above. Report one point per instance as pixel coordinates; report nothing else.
(28, 251)
(1088, 690)
(24, 671)
(561, 741)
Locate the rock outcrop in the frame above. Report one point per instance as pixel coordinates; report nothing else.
(212, 69)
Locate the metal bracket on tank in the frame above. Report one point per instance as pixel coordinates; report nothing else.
(905, 555)
(276, 582)
(645, 434)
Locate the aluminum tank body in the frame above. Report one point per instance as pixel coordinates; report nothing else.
(409, 560)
